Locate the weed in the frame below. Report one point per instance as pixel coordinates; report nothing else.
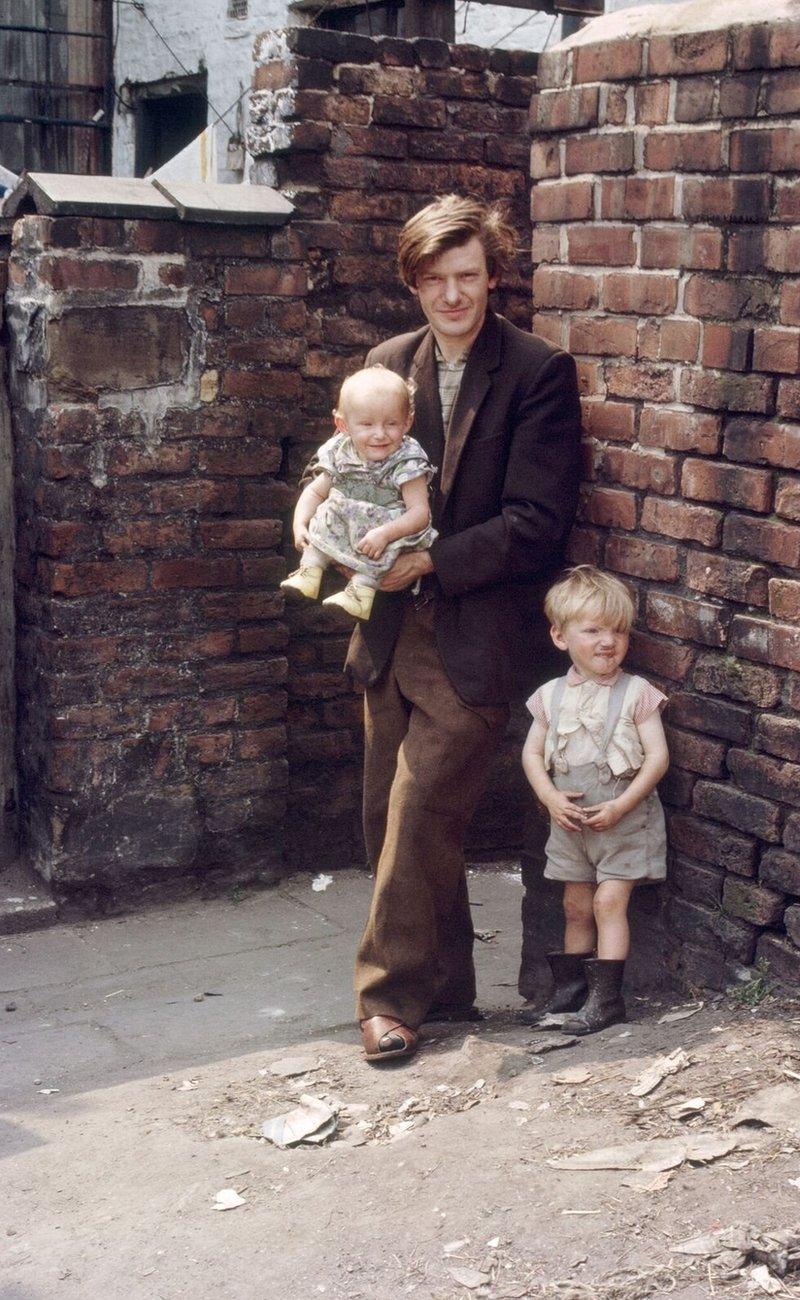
(236, 894)
(756, 989)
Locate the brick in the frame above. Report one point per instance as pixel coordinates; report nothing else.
(619, 60)
(763, 150)
(705, 480)
(251, 385)
(550, 327)
(649, 471)
(610, 420)
(676, 519)
(784, 45)
(553, 287)
(787, 200)
(545, 159)
(784, 599)
(679, 430)
(609, 508)
(601, 245)
(782, 959)
(788, 399)
(637, 198)
(791, 838)
(670, 339)
(781, 94)
(727, 347)
(681, 247)
(766, 776)
(546, 244)
(747, 249)
(675, 789)
(740, 681)
(718, 575)
(644, 380)
(683, 151)
(745, 812)
(192, 572)
(661, 658)
(635, 291)
(728, 298)
(700, 884)
(779, 736)
(651, 102)
(92, 577)
(690, 620)
(777, 350)
(565, 110)
(245, 534)
(776, 543)
(270, 280)
(700, 713)
(782, 249)
(584, 546)
(591, 380)
(602, 336)
(763, 443)
(701, 968)
(598, 153)
(738, 937)
(614, 106)
(692, 921)
(562, 201)
(687, 53)
(696, 753)
(89, 274)
(726, 198)
(790, 303)
(694, 99)
(777, 644)
(642, 559)
(752, 902)
(726, 391)
(780, 870)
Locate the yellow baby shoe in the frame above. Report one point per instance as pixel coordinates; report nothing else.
(356, 599)
(305, 580)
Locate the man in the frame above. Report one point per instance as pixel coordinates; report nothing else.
(454, 630)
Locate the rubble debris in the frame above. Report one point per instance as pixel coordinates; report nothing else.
(469, 1277)
(660, 1069)
(551, 1043)
(572, 1074)
(289, 1067)
(743, 1243)
(653, 1156)
(311, 1121)
(774, 1107)
(687, 1108)
(672, 1017)
(228, 1199)
(321, 882)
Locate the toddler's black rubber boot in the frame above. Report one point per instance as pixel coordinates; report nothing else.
(569, 986)
(604, 1005)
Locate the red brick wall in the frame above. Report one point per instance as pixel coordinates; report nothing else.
(359, 134)
(666, 192)
(151, 395)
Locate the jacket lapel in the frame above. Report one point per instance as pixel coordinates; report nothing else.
(483, 359)
(428, 428)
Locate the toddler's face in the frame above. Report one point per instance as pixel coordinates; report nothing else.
(376, 423)
(595, 648)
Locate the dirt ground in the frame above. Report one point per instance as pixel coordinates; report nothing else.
(436, 1183)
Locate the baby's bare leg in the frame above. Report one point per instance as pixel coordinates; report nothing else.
(579, 922)
(611, 915)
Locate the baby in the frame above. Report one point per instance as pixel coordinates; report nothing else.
(368, 500)
(594, 755)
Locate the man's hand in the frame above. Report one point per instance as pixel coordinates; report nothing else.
(373, 543)
(602, 816)
(406, 569)
(563, 810)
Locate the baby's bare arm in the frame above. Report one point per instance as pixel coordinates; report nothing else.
(310, 499)
(414, 518)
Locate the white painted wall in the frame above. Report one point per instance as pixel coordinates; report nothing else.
(202, 36)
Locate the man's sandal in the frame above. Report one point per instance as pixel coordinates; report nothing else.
(385, 1038)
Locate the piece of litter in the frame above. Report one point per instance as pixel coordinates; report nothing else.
(790, 1074)
(626, 1033)
(240, 1173)
(572, 1074)
(209, 993)
(48, 1092)
(765, 1281)
(672, 1017)
(648, 1184)
(453, 1247)
(321, 882)
(551, 1043)
(519, 1105)
(188, 1085)
(685, 1109)
(312, 1121)
(493, 1244)
(11, 1006)
(289, 1067)
(228, 1199)
(795, 1182)
(469, 1277)
(774, 1107)
(400, 1129)
(652, 1156)
(115, 994)
(580, 1211)
(486, 936)
(660, 1069)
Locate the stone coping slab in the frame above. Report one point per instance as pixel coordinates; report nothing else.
(56, 194)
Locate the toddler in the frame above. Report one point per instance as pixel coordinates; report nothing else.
(368, 500)
(593, 756)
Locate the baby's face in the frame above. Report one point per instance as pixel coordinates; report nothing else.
(595, 648)
(376, 422)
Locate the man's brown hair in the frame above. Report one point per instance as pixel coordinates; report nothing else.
(449, 222)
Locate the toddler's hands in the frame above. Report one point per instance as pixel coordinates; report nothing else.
(563, 810)
(301, 537)
(373, 544)
(602, 816)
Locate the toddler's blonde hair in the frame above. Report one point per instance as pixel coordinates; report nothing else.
(373, 378)
(585, 590)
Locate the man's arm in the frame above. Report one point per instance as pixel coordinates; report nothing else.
(539, 496)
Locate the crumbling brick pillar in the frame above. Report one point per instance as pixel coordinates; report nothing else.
(154, 368)
(666, 204)
(359, 134)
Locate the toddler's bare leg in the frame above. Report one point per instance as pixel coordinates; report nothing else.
(579, 923)
(611, 915)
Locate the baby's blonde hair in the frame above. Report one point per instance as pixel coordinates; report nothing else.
(585, 590)
(373, 378)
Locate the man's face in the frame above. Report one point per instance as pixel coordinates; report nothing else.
(453, 292)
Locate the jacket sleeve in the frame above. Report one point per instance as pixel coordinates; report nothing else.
(540, 492)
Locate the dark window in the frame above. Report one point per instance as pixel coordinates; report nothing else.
(169, 114)
(383, 19)
(237, 8)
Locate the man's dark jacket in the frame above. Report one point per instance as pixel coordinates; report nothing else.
(503, 504)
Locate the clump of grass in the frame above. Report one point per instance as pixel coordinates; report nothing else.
(753, 991)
